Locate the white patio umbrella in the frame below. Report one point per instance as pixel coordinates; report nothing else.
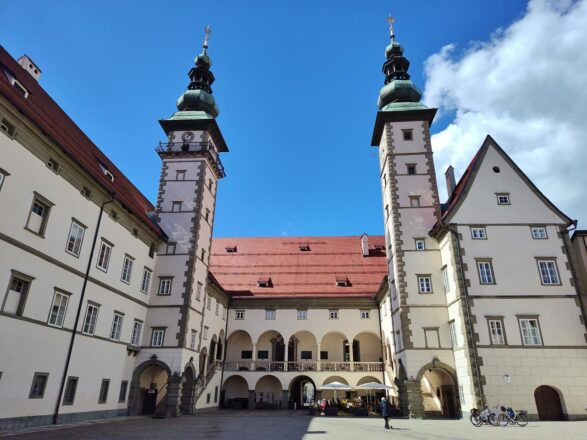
(335, 386)
(377, 386)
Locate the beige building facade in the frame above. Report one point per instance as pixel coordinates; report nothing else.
(110, 305)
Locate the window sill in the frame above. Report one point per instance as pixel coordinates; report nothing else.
(38, 234)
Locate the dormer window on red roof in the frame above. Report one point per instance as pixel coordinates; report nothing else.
(342, 281)
(379, 247)
(304, 247)
(106, 172)
(230, 249)
(265, 282)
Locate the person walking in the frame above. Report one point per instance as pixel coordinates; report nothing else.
(385, 412)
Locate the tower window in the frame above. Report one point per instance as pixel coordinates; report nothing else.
(408, 135)
(420, 244)
(180, 175)
(207, 215)
(170, 248)
(415, 201)
(176, 206)
(411, 169)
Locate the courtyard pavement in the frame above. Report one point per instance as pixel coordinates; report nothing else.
(245, 425)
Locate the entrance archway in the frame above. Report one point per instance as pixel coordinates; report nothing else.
(439, 391)
(148, 390)
(548, 403)
(236, 392)
(302, 392)
(187, 393)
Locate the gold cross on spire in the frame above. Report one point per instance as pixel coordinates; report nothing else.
(207, 31)
(391, 21)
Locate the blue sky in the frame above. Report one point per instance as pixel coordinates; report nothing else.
(296, 82)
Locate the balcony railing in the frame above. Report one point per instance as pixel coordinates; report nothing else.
(192, 147)
(301, 366)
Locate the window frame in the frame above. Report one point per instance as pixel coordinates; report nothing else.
(115, 328)
(496, 319)
(176, 204)
(123, 391)
(205, 332)
(540, 260)
(163, 281)
(149, 273)
(508, 200)
(421, 277)
(452, 329)
(434, 330)
(193, 338)
(170, 248)
(528, 318)
(365, 314)
(333, 313)
(445, 279)
(24, 294)
(95, 318)
(415, 201)
(40, 395)
(179, 173)
(158, 330)
(302, 314)
(65, 401)
(199, 287)
(538, 228)
(62, 294)
(480, 271)
(270, 314)
(105, 244)
(478, 228)
(239, 315)
(3, 175)
(81, 227)
(47, 205)
(104, 390)
(421, 241)
(128, 278)
(136, 335)
(411, 169)
(407, 134)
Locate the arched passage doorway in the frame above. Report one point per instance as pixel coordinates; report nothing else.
(188, 390)
(302, 392)
(548, 403)
(439, 391)
(236, 392)
(148, 391)
(268, 392)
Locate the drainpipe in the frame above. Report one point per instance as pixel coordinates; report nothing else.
(224, 349)
(79, 311)
(452, 227)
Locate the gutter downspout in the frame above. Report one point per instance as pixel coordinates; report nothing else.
(79, 310)
(452, 229)
(221, 402)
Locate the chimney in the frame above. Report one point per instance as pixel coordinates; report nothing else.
(449, 174)
(365, 245)
(28, 65)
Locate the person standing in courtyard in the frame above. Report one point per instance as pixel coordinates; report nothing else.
(385, 412)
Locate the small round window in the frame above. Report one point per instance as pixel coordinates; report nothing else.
(496, 169)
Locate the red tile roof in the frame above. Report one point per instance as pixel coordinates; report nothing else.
(296, 273)
(40, 108)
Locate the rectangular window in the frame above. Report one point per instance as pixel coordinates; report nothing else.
(485, 272)
(104, 255)
(38, 386)
(216, 394)
(170, 248)
(453, 335)
(199, 291)
(137, 330)
(207, 214)
(209, 303)
(548, 272)
(530, 331)
(333, 313)
(208, 398)
(176, 206)
(205, 334)
(246, 354)
(17, 295)
(39, 215)
(425, 284)
(104, 391)
(415, 201)
(306, 355)
(203, 255)
(503, 199)
(164, 286)
(432, 338)
(496, 331)
(411, 169)
(122, 394)
(408, 134)
(210, 184)
(90, 319)
(478, 233)
(263, 354)
(75, 239)
(157, 337)
(239, 314)
(445, 280)
(539, 232)
(217, 311)
(223, 312)
(365, 314)
(193, 338)
(58, 308)
(302, 314)
(270, 314)
(70, 389)
(146, 281)
(323, 355)
(116, 326)
(127, 269)
(420, 244)
(180, 175)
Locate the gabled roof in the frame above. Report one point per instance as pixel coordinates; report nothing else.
(462, 188)
(43, 111)
(295, 273)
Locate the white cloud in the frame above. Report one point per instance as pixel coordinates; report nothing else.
(527, 87)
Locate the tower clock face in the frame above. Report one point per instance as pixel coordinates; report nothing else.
(188, 136)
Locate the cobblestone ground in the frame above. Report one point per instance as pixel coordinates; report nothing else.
(245, 425)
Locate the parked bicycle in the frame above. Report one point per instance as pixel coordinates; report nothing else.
(508, 416)
(487, 416)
